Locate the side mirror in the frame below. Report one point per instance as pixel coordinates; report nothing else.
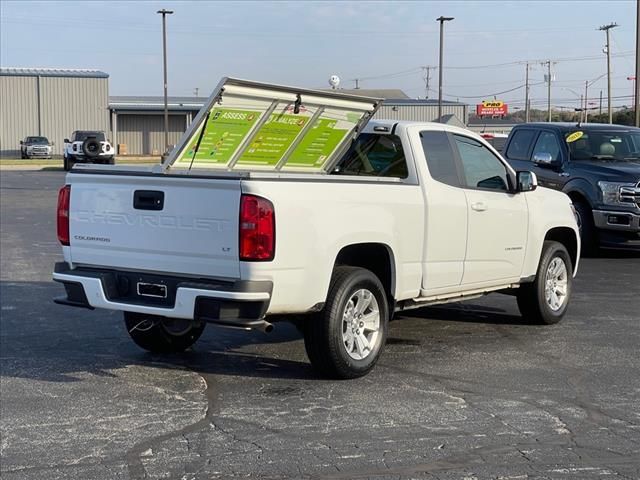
(66, 140)
(52, 143)
(527, 181)
(543, 159)
(21, 142)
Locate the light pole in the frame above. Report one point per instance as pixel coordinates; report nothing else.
(164, 14)
(441, 19)
(606, 29)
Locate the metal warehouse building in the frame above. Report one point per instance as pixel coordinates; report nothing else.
(138, 123)
(55, 102)
(52, 103)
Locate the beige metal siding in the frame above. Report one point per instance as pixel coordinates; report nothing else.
(66, 104)
(142, 134)
(18, 113)
(420, 113)
(70, 104)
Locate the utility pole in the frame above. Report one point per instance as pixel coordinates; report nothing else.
(600, 109)
(526, 94)
(441, 19)
(195, 92)
(586, 89)
(636, 96)
(606, 29)
(357, 80)
(548, 64)
(164, 14)
(581, 107)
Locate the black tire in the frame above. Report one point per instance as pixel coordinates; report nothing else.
(68, 164)
(323, 333)
(531, 297)
(91, 147)
(161, 334)
(588, 232)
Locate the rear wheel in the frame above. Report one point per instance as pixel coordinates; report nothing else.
(162, 334)
(68, 164)
(346, 339)
(545, 300)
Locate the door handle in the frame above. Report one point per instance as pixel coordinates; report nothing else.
(148, 200)
(479, 206)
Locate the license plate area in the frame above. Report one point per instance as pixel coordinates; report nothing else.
(153, 290)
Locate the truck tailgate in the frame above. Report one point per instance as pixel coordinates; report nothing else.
(157, 223)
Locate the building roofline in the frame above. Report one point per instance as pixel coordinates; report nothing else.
(51, 72)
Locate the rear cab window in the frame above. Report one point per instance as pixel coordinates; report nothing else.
(440, 157)
(375, 156)
(520, 144)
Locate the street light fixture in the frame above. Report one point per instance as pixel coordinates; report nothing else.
(441, 19)
(164, 14)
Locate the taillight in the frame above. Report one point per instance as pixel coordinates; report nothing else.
(257, 229)
(64, 196)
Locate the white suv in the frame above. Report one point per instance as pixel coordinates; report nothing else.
(87, 147)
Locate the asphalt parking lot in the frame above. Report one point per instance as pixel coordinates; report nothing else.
(462, 392)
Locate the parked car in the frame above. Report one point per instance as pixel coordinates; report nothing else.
(597, 165)
(35, 147)
(87, 146)
(272, 209)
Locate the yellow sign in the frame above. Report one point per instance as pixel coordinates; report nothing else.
(574, 136)
(492, 103)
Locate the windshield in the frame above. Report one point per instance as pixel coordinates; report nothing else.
(606, 145)
(38, 140)
(82, 136)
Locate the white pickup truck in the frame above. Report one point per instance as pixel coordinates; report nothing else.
(282, 203)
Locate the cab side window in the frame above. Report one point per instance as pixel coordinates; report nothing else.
(440, 157)
(480, 166)
(547, 143)
(374, 155)
(520, 143)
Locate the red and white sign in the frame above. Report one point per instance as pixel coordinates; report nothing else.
(492, 108)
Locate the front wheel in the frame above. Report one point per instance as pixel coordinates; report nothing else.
(545, 300)
(161, 334)
(346, 339)
(587, 228)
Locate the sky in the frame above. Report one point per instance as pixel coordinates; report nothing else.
(384, 44)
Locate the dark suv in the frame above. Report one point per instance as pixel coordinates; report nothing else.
(597, 165)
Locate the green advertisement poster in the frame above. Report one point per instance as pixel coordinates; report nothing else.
(225, 130)
(273, 139)
(318, 144)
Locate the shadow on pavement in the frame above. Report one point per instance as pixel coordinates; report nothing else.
(45, 341)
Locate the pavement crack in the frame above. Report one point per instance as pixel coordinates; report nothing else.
(136, 468)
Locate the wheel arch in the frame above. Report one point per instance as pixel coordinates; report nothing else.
(567, 237)
(376, 257)
(580, 190)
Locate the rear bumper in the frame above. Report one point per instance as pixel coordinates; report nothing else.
(241, 304)
(84, 159)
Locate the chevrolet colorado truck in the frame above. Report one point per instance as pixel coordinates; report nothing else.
(597, 165)
(282, 203)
